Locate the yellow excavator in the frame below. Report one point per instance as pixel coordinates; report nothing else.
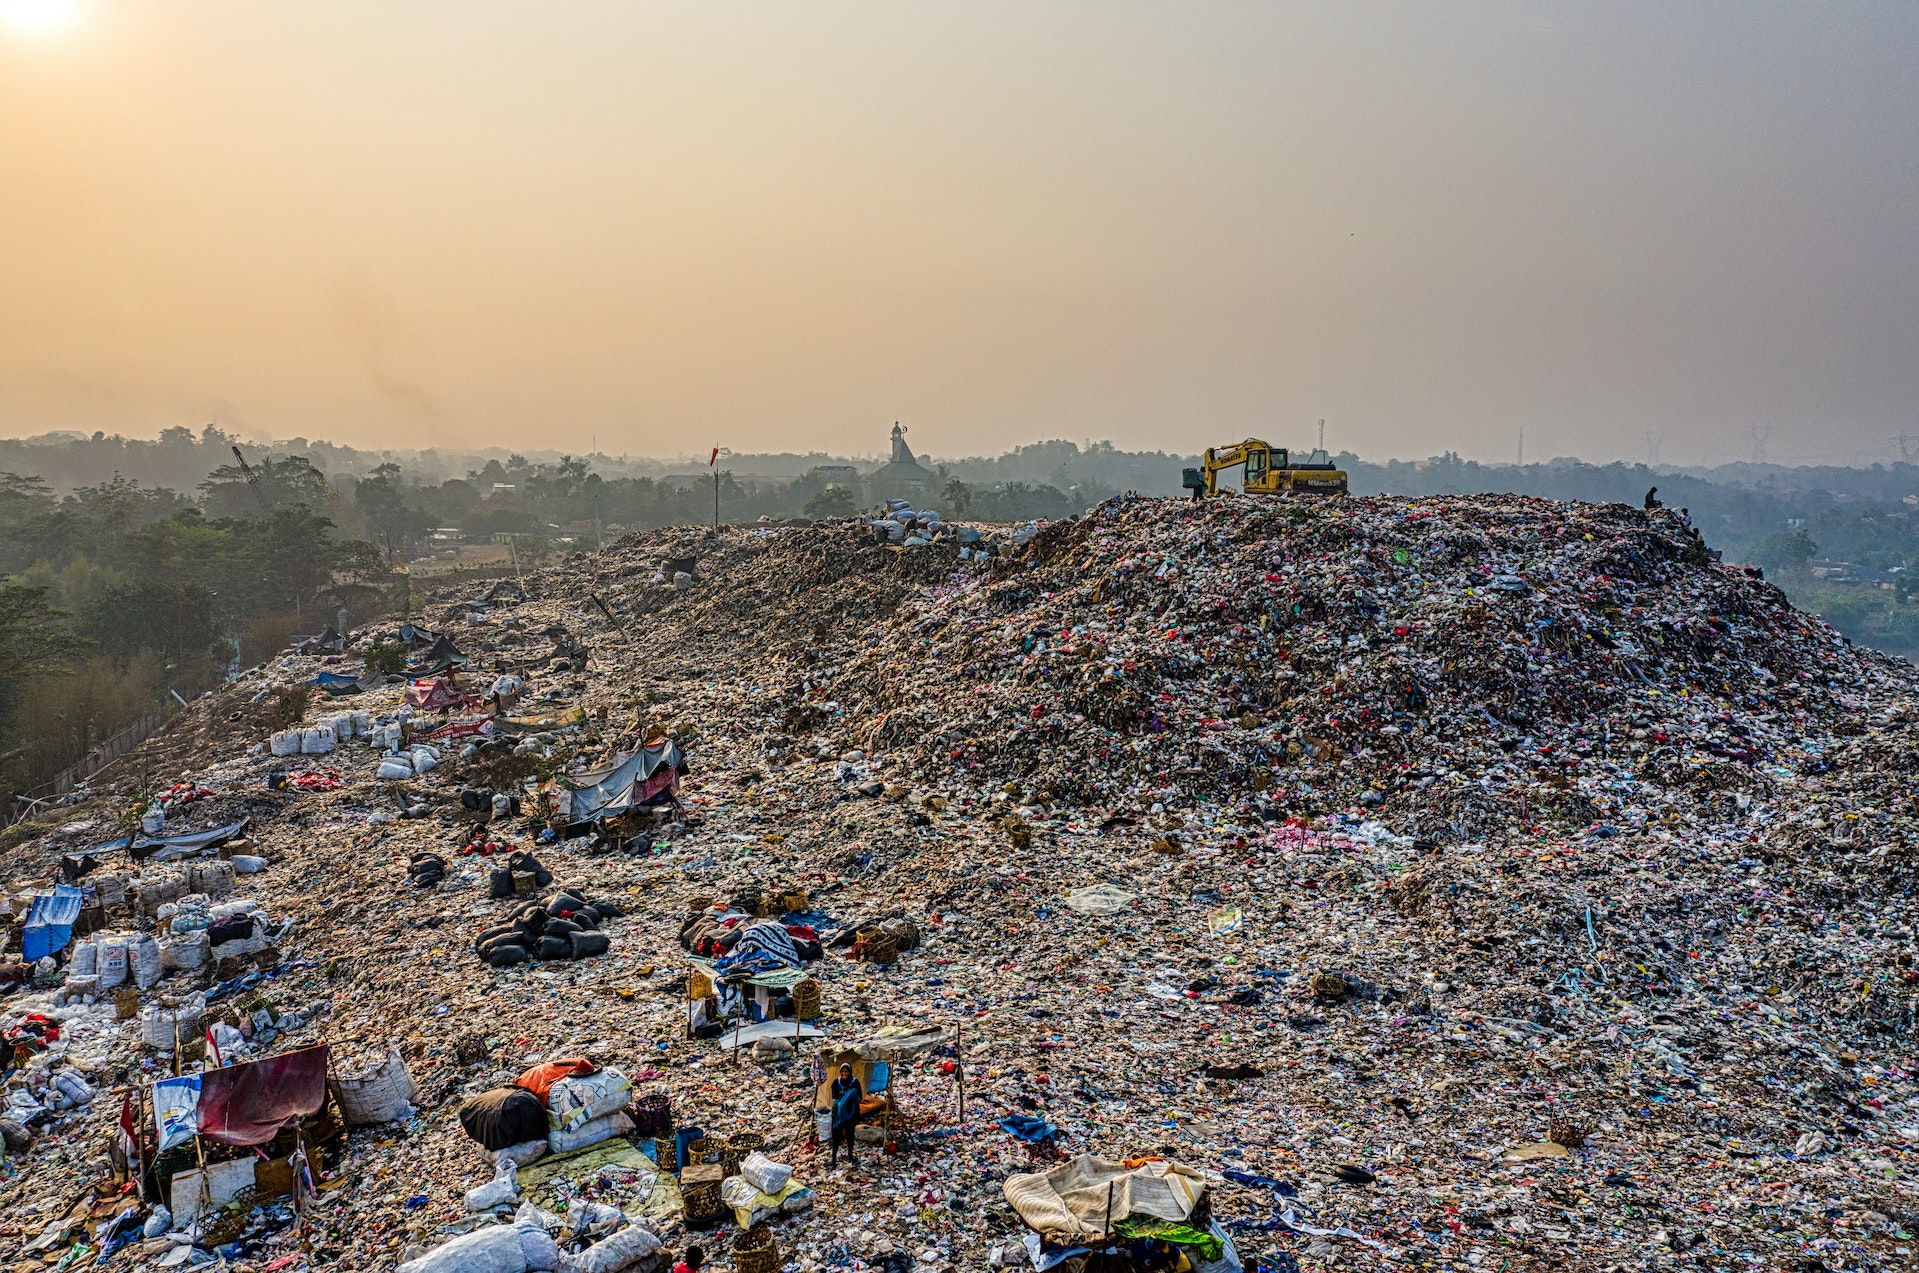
(1270, 470)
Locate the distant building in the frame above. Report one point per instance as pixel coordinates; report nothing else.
(902, 477)
(831, 475)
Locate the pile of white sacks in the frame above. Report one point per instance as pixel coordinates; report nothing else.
(322, 737)
(386, 736)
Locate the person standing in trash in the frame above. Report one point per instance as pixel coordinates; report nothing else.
(847, 1095)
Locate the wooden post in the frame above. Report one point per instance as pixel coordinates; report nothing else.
(1107, 1230)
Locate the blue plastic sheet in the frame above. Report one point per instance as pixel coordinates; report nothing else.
(1028, 1128)
(50, 922)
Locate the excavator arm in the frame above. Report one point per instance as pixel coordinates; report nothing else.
(1259, 459)
(1270, 470)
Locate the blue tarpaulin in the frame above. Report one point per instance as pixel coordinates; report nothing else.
(1034, 1131)
(50, 921)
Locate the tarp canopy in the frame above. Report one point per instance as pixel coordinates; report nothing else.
(50, 921)
(632, 781)
(440, 695)
(249, 1103)
(1076, 1200)
(897, 1043)
(166, 847)
(439, 656)
(339, 684)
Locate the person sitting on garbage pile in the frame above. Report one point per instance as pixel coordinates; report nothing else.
(1652, 499)
(847, 1095)
(695, 1261)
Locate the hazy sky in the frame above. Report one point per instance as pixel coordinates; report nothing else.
(785, 226)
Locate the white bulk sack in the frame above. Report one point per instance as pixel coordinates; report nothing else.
(764, 1174)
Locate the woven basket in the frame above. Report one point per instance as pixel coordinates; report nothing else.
(698, 985)
(706, 1149)
(883, 949)
(231, 1222)
(729, 1162)
(746, 1142)
(126, 1004)
(1563, 1129)
(702, 1205)
(906, 933)
(794, 901)
(806, 999)
(665, 1153)
(1327, 986)
(378, 1097)
(755, 1251)
(652, 1114)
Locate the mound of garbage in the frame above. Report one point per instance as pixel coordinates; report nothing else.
(1449, 882)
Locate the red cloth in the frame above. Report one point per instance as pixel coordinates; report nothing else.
(249, 1103)
(540, 1079)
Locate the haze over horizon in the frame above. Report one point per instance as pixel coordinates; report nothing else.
(772, 228)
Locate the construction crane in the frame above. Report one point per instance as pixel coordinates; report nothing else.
(253, 480)
(1270, 470)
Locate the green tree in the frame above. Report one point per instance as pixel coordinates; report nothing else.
(834, 501)
(1784, 552)
(958, 496)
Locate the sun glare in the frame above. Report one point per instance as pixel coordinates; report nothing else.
(38, 17)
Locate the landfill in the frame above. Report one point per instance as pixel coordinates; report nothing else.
(1465, 882)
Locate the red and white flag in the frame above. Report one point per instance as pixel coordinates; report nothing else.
(128, 1140)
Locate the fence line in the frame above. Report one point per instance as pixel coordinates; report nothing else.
(102, 755)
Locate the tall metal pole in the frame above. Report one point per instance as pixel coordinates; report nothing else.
(716, 501)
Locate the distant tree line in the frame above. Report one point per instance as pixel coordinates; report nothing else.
(169, 564)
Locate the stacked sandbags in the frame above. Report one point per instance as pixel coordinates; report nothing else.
(213, 878)
(317, 740)
(415, 761)
(155, 887)
(589, 1133)
(285, 742)
(145, 962)
(160, 1026)
(237, 928)
(110, 889)
(425, 870)
(188, 952)
(564, 926)
(573, 1102)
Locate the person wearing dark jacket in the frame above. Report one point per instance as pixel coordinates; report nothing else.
(847, 1095)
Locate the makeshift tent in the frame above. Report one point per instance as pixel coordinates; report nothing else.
(339, 685)
(242, 1105)
(1088, 1197)
(50, 921)
(439, 656)
(440, 696)
(328, 642)
(647, 777)
(733, 993)
(873, 1060)
(252, 1102)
